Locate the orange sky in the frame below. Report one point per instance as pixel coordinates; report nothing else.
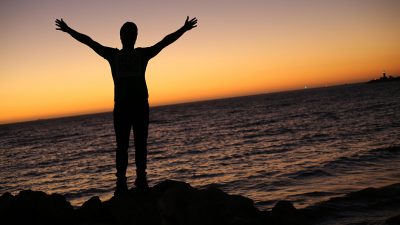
(239, 48)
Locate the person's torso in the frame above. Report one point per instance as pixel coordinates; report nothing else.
(128, 70)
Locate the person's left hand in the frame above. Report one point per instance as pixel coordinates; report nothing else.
(190, 24)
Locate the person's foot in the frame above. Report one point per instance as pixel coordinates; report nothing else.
(121, 187)
(141, 181)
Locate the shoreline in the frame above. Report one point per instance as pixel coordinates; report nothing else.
(176, 202)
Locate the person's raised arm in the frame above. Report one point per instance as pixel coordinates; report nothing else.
(169, 39)
(98, 48)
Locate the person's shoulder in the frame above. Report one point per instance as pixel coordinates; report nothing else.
(112, 50)
(140, 49)
(108, 51)
(144, 51)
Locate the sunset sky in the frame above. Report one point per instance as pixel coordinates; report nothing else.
(239, 48)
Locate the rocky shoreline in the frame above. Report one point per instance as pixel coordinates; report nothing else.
(175, 203)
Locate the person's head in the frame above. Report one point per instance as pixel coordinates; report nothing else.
(128, 35)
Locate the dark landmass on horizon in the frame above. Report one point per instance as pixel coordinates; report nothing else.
(384, 79)
(177, 203)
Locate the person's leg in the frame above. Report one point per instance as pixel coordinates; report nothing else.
(122, 127)
(140, 129)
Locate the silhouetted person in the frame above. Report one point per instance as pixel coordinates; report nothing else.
(131, 107)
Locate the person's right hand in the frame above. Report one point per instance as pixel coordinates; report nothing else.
(61, 25)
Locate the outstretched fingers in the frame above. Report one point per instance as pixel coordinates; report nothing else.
(58, 24)
(61, 25)
(191, 23)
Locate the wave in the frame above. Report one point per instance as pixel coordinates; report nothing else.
(317, 194)
(372, 155)
(206, 175)
(159, 121)
(316, 137)
(370, 204)
(309, 174)
(86, 192)
(330, 168)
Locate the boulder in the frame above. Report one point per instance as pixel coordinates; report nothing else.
(136, 207)
(182, 204)
(395, 220)
(285, 213)
(35, 207)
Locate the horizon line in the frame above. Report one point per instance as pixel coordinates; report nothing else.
(79, 114)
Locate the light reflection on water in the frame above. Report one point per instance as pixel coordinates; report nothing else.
(303, 146)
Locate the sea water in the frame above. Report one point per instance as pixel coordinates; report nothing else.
(304, 146)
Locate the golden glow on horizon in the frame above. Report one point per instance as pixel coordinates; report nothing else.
(246, 48)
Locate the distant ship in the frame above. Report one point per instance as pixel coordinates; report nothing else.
(384, 78)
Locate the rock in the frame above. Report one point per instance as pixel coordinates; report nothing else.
(284, 213)
(395, 220)
(178, 203)
(7, 202)
(137, 207)
(92, 212)
(362, 204)
(92, 205)
(182, 204)
(169, 202)
(35, 207)
(161, 188)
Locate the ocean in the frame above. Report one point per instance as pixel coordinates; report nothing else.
(304, 146)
